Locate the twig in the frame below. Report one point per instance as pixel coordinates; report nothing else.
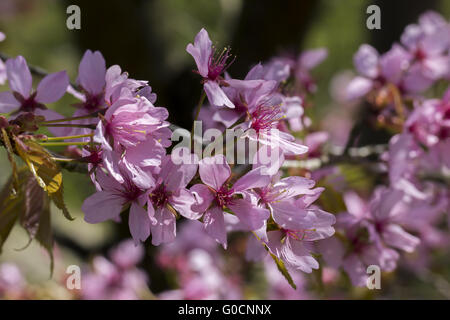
(336, 155)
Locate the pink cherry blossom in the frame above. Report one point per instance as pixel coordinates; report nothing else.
(210, 65)
(21, 98)
(108, 204)
(169, 195)
(215, 195)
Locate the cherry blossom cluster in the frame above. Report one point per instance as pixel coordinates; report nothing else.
(405, 214)
(125, 140)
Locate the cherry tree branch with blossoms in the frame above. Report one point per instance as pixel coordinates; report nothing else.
(288, 192)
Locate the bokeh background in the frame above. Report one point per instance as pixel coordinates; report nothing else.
(148, 39)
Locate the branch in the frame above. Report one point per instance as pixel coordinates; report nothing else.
(337, 155)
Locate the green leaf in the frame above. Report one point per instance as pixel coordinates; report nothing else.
(12, 203)
(10, 152)
(32, 205)
(46, 171)
(44, 235)
(36, 202)
(282, 268)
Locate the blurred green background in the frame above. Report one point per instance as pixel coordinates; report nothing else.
(148, 39)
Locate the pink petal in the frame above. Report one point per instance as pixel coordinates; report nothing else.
(366, 61)
(201, 52)
(311, 58)
(19, 76)
(110, 161)
(214, 171)
(255, 250)
(91, 72)
(106, 182)
(250, 215)
(290, 217)
(297, 255)
(356, 270)
(332, 251)
(293, 253)
(355, 205)
(306, 200)
(3, 76)
(415, 80)
(102, 206)
(203, 196)
(139, 223)
(358, 87)
(140, 177)
(256, 178)
(257, 72)
(145, 154)
(214, 224)
(395, 236)
(292, 186)
(182, 201)
(164, 227)
(176, 176)
(394, 63)
(52, 87)
(216, 96)
(226, 116)
(7, 102)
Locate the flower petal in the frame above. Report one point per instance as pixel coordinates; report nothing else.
(19, 76)
(256, 178)
(164, 227)
(395, 236)
(366, 61)
(91, 72)
(201, 51)
(214, 171)
(203, 197)
(102, 206)
(7, 102)
(139, 223)
(52, 87)
(358, 87)
(251, 216)
(214, 224)
(216, 96)
(182, 201)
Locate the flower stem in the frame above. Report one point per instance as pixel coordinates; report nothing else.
(70, 125)
(197, 112)
(68, 137)
(62, 144)
(88, 116)
(63, 159)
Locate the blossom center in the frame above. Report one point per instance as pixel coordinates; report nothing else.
(218, 63)
(298, 235)
(160, 196)
(420, 54)
(224, 196)
(265, 117)
(28, 104)
(131, 191)
(93, 102)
